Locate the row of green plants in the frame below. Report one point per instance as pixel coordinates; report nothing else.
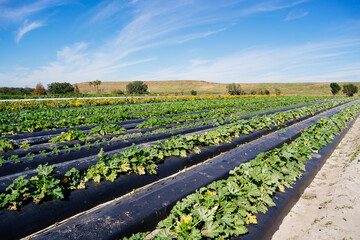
(222, 209)
(101, 130)
(220, 120)
(74, 134)
(140, 110)
(53, 114)
(40, 123)
(158, 122)
(7, 144)
(142, 160)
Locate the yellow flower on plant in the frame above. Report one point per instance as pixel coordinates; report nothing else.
(186, 218)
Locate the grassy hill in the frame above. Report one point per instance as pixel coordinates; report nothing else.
(172, 87)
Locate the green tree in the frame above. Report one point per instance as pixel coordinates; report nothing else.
(350, 89)
(137, 87)
(193, 92)
(96, 85)
(60, 88)
(335, 88)
(233, 89)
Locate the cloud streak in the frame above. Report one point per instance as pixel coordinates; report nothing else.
(27, 27)
(155, 24)
(296, 15)
(304, 63)
(10, 14)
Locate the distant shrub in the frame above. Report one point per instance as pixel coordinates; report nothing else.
(267, 92)
(277, 91)
(350, 90)
(137, 87)
(335, 88)
(60, 88)
(193, 92)
(233, 89)
(252, 92)
(117, 91)
(39, 90)
(15, 91)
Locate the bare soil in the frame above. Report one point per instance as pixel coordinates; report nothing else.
(330, 206)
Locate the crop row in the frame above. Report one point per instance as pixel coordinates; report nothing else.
(41, 125)
(124, 112)
(74, 134)
(157, 122)
(7, 144)
(59, 113)
(49, 104)
(138, 160)
(39, 152)
(222, 209)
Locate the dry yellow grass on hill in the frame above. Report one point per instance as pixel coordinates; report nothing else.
(184, 87)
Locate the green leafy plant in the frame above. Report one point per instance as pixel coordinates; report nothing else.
(18, 193)
(67, 148)
(105, 129)
(45, 185)
(25, 145)
(43, 153)
(72, 179)
(55, 150)
(6, 144)
(69, 136)
(14, 158)
(30, 155)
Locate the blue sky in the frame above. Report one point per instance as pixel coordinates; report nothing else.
(213, 40)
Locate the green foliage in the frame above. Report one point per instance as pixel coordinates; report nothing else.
(105, 129)
(137, 87)
(69, 136)
(18, 193)
(223, 208)
(24, 145)
(335, 88)
(60, 88)
(15, 91)
(6, 144)
(193, 92)
(233, 89)
(72, 179)
(267, 92)
(44, 184)
(350, 89)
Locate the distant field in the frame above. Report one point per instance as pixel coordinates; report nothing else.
(208, 88)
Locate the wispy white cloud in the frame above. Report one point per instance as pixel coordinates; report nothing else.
(18, 14)
(303, 63)
(270, 6)
(296, 14)
(27, 27)
(159, 23)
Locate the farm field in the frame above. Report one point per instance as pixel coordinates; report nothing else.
(161, 168)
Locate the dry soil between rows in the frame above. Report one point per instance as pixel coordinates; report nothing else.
(330, 206)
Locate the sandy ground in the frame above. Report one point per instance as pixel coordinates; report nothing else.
(330, 206)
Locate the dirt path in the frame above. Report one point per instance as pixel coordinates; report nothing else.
(330, 206)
